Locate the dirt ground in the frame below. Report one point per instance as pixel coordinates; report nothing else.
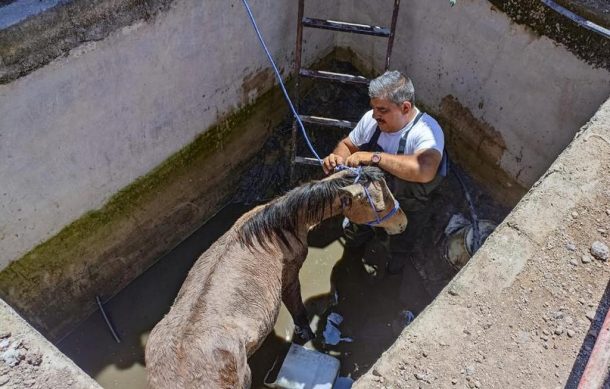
(27, 360)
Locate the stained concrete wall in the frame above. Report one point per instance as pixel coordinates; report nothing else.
(509, 97)
(74, 132)
(114, 152)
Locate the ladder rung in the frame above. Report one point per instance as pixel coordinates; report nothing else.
(306, 161)
(346, 27)
(331, 76)
(327, 121)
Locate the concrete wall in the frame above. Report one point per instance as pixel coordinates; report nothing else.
(508, 97)
(74, 132)
(114, 152)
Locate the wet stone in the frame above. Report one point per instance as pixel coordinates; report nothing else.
(599, 250)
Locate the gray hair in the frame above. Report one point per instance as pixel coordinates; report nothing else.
(393, 86)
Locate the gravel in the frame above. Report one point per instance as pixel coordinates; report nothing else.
(599, 250)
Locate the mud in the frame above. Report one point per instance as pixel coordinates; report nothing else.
(474, 143)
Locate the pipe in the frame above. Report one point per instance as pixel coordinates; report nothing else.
(589, 25)
(596, 370)
(114, 334)
(473, 214)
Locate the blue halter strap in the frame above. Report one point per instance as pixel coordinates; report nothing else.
(378, 220)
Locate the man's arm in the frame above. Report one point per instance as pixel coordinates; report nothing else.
(419, 167)
(342, 151)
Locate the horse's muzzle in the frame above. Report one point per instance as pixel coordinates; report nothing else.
(396, 224)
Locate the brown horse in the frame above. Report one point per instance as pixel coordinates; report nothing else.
(230, 300)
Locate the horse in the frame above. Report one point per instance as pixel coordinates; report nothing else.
(231, 297)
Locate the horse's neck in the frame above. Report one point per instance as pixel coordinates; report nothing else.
(334, 210)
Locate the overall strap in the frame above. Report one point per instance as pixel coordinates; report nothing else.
(371, 145)
(403, 138)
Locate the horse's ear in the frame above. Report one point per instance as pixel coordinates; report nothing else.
(352, 191)
(377, 196)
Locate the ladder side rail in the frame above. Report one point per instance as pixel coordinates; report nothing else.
(297, 71)
(392, 34)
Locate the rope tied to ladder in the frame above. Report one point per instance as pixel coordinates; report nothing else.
(280, 81)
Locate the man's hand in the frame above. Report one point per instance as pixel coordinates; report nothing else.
(359, 158)
(330, 163)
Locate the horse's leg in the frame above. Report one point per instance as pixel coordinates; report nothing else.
(291, 296)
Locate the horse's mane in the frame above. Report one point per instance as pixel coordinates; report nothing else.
(281, 217)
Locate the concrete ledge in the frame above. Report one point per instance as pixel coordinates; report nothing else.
(38, 39)
(40, 365)
(519, 293)
(587, 45)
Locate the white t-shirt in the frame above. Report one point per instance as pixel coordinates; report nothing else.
(425, 134)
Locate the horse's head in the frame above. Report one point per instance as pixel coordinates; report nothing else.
(371, 202)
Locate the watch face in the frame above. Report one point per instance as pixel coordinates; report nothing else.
(376, 158)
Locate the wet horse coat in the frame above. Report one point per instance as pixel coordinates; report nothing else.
(230, 299)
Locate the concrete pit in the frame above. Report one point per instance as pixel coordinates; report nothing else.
(123, 139)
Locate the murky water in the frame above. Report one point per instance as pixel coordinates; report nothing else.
(370, 308)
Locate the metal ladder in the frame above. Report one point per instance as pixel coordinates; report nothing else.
(332, 25)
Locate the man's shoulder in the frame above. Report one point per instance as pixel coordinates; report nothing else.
(431, 122)
(427, 126)
(367, 118)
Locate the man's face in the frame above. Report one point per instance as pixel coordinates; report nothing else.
(390, 117)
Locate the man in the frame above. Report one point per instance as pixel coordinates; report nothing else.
(403, 141)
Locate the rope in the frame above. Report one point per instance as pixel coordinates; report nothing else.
(281, 82)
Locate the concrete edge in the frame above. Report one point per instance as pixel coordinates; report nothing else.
(42, 364)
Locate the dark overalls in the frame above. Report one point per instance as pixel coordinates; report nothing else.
(412, 196)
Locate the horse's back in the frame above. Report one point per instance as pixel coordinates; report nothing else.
(225, 308)
(206, 360)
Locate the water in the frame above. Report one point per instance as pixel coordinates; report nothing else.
(371, 309)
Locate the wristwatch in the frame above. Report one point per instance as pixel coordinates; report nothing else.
(375, 159)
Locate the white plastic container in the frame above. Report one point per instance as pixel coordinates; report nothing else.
(306, 369)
